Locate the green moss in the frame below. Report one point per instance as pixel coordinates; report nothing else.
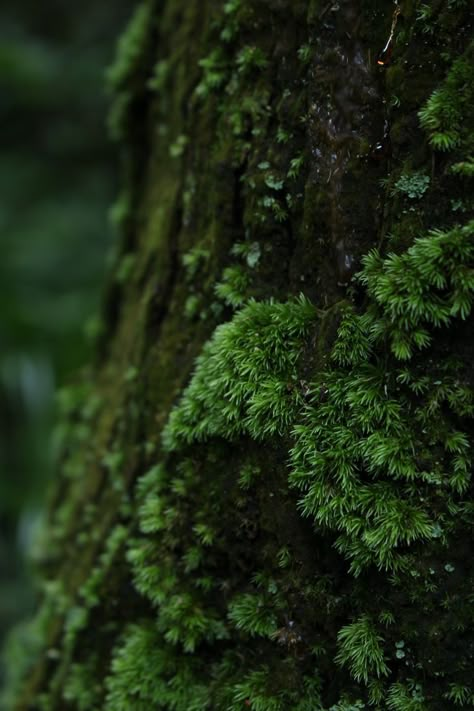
(145, 675)
(192, 307)
(160, 76)
(259, 692)
(360, 647)
(335, 464)
(91, 590)
(246, 382)
(194, 260)
(28, 641)
(378, 455)
(234, 287)
(177, 148)
(82, 688)
(369, 422)
(428, 286)
(215, 73)
(125, 268)
(251, 58)
(127, 75)
(249, 251)
(130, 47)
(460, 694)
(252, 614)
(447, 116)
(465, 168)
(120, 212)
(406, 697)
(246, 378)
(184, 617)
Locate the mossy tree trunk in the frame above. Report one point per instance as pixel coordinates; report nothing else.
(285, 522)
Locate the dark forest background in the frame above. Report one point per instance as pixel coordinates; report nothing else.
(57, 178)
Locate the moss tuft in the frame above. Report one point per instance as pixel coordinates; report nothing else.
(246, 379)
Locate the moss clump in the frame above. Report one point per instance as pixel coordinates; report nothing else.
(447, 116)
(82, 688)
(361, 650)
(380, 454)
(145, 675)
(185, 618)
(259, 692)
(246, 379)
(254, 613)
(363, 442)
(234, 287)
(427, 286)
(406, 697)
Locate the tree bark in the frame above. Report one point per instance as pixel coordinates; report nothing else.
(285, 522)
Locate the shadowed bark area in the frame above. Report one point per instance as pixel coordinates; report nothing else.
(286, 523)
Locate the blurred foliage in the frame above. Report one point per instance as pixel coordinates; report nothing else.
(56, 180)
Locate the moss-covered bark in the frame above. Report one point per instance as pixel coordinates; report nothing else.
(286, 526)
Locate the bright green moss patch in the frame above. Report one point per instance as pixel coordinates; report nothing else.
(447, 116)
(175, 588)
(360, 648)
(233, 287)
(380, 453)
(145, 675)
(246, 379)
(256, 613)
(406, 697)
(259, 692)
(425, 287)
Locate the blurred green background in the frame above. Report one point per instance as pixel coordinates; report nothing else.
(57, 178)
